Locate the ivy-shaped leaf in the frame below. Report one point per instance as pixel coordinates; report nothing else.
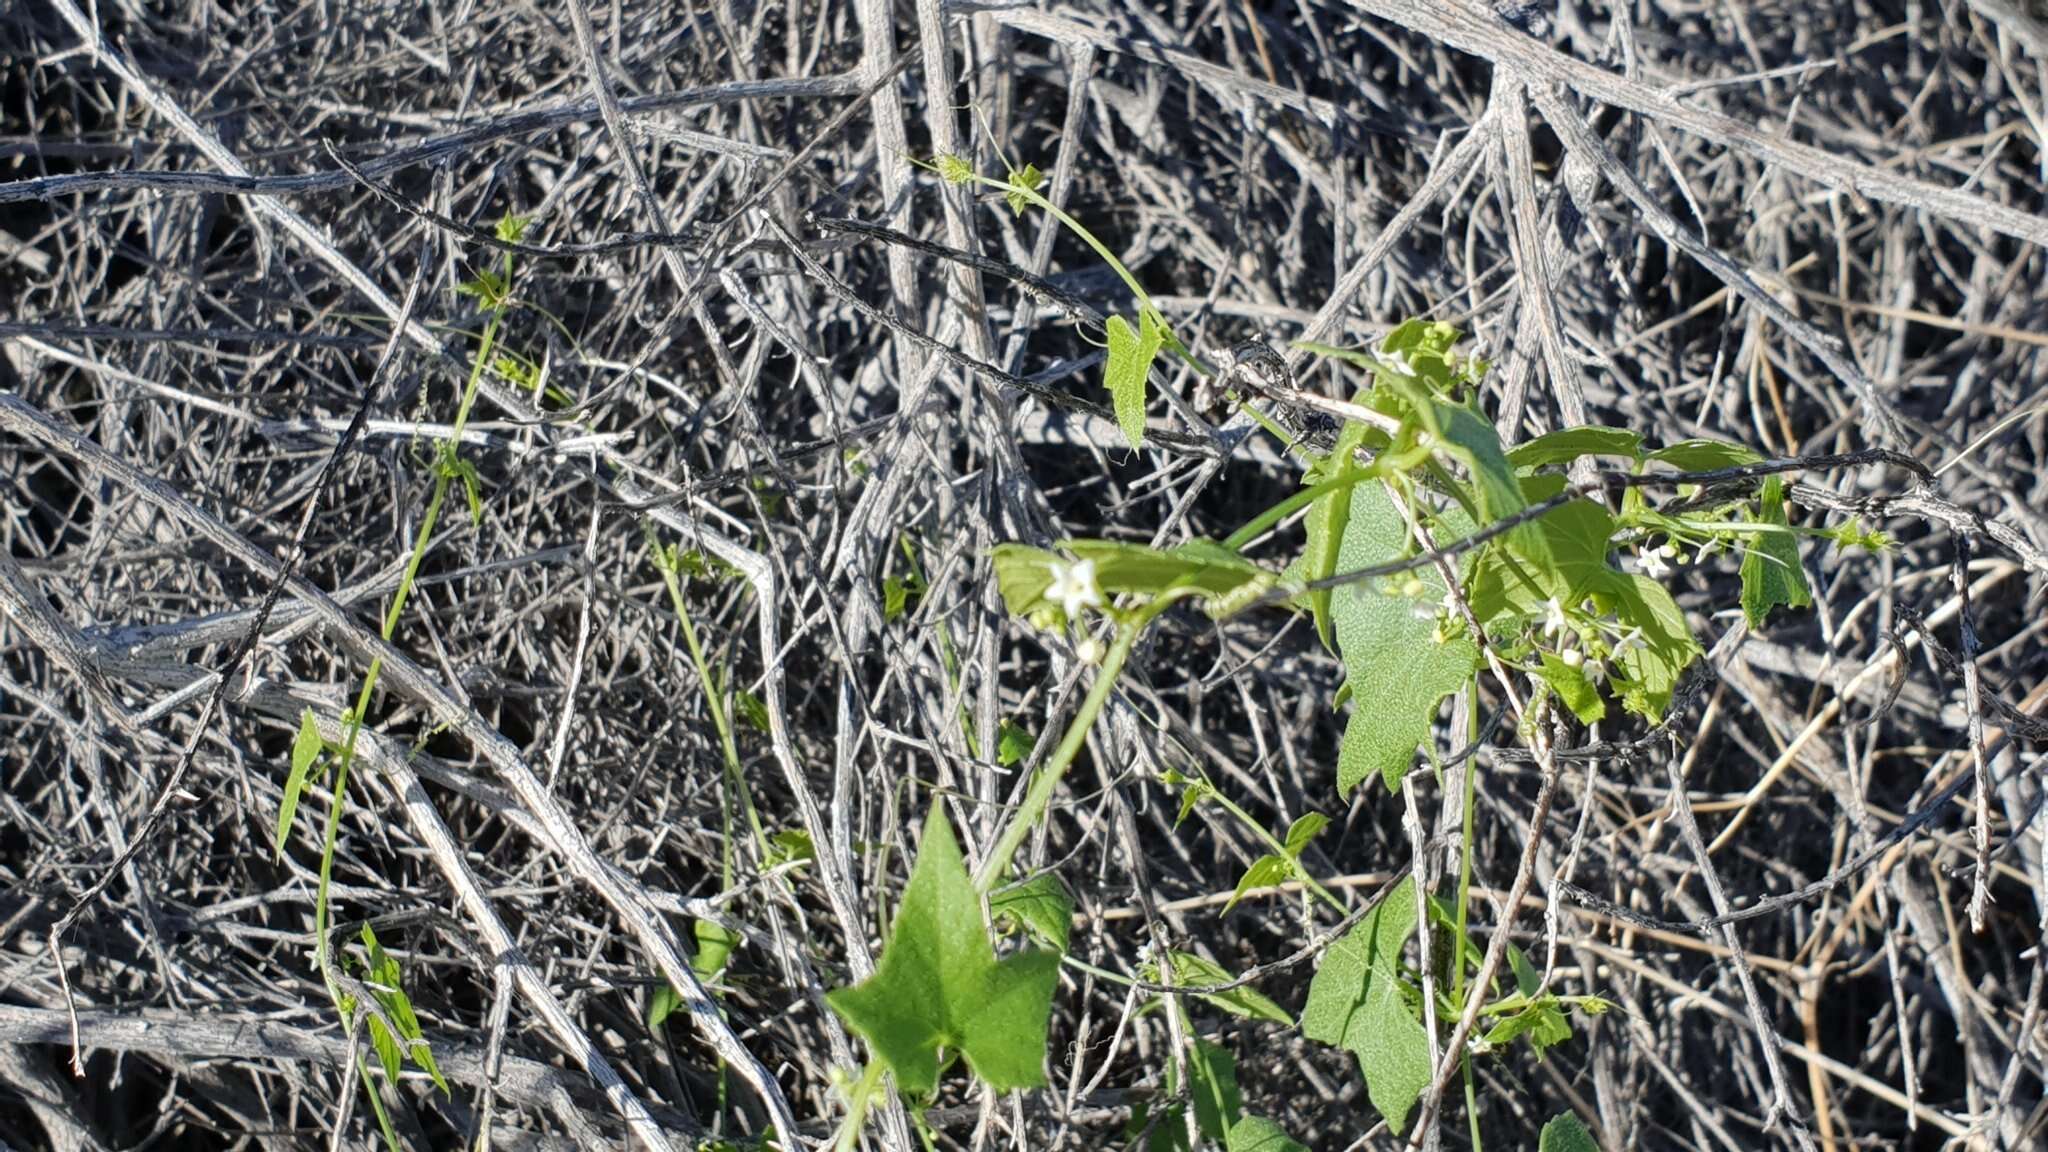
(939, 987)
(1040, 905)
(306, 749)
(1359, 1001)
(1565, 1133)
(1398, 671)
(1130, 359)
(1258, 1134)
(1026, 177)
(1013, 744)
(1771, 572)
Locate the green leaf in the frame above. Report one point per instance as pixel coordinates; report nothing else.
(1265, 872)
(1243, 1000)
(895, 597)
(1528, 981)
(1571, 685)
(940, 986)
(1258, 1134)
(661, 1005)
(788, 846)
(1338, 352)
(1650, 666)
(1039, 904)
(1130, 359)
(751, 709)
(1013, 744)
(1704, 455)
(1214, 1094)
(1357, 1000)
(1212, 1071)
(1197, 790)
(386, 986)
(306, 749)
(1473, 441)
(1023, 574)
(386, 1046)
(1303, 830)
(1026, 177)
(512, 229)
(1566, 1133)
(1122, 567)
(488, 288)
(1771, 572)
(715, 943)
(1325, 524)
(1397, 671)
(1568, 444)
(1541, 1022)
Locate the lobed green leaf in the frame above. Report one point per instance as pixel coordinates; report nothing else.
(1040, 905)
(1566, 1133)
(939, 986)
(1358, 1001)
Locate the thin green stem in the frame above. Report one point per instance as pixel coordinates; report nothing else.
(1471, 1107)
(1278, 849)
(1470, 771)
(1076, 737)
(352, 723)
(1265, 521)
(858, 1097)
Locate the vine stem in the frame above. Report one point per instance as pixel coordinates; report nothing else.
(857, 1107)
(353, 722)
(1129, 628)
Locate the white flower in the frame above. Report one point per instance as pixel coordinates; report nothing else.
(1074, 588)
(1572, 657)
(1397, 360)
(1654, 561)
(1630, 639)
(1554, 621)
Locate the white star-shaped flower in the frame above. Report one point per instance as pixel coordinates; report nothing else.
(1074, 588)
(1654, 561)
(1554, 620)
